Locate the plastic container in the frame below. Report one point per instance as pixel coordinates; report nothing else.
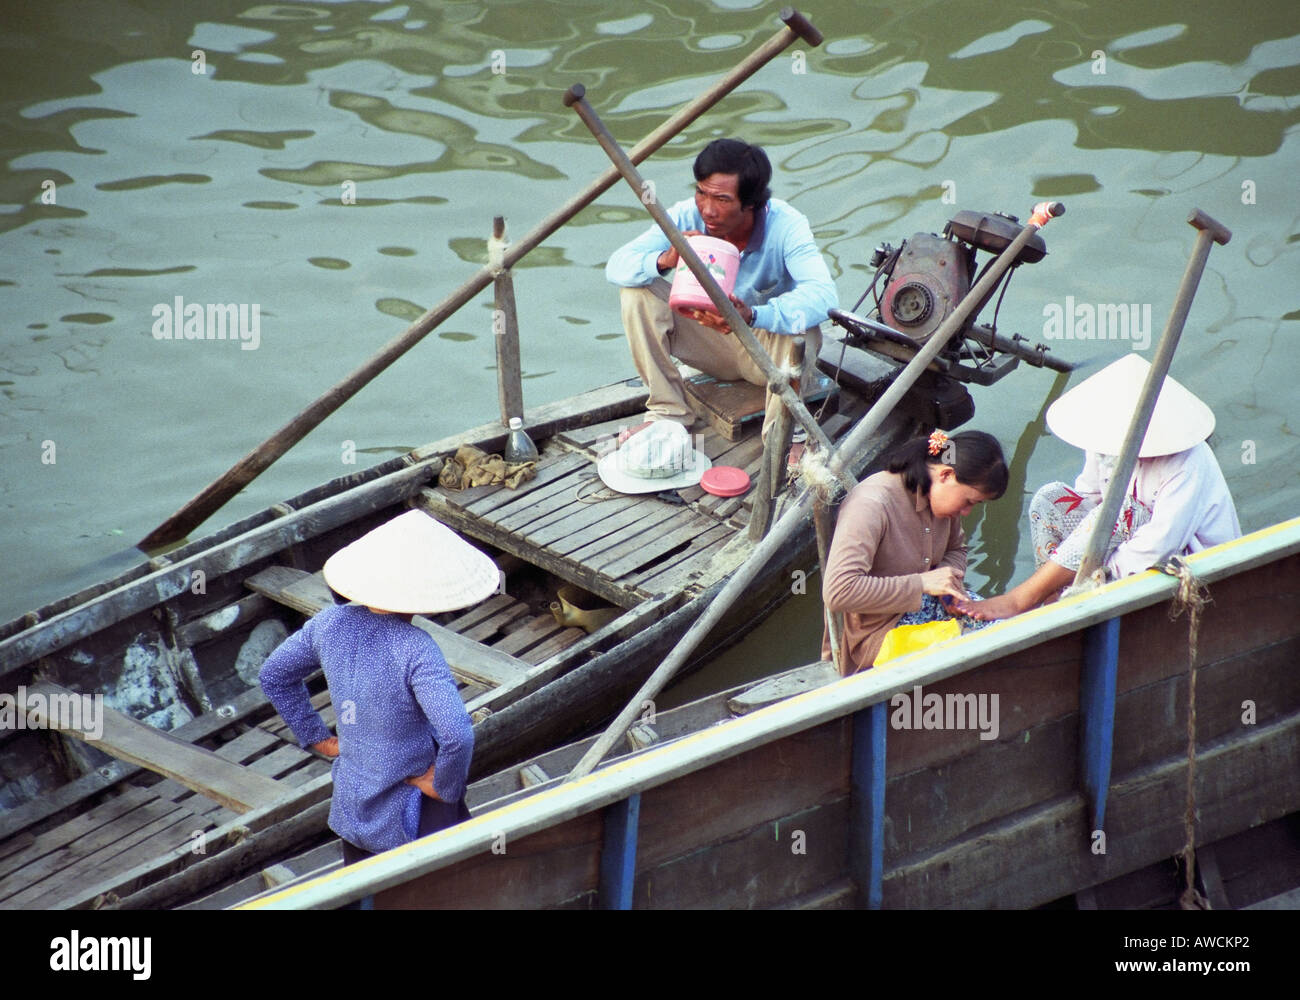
(723, 261)
(519, 446)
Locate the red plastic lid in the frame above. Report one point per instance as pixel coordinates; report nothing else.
(725, 481)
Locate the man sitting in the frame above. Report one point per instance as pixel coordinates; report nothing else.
(783, 287)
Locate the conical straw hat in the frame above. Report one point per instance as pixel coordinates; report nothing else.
(1095, 414)
(412, 565)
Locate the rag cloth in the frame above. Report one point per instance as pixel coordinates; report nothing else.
(473, 467)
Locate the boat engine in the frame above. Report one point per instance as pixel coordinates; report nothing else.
(925, 280)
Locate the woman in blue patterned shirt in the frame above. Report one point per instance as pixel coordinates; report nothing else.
(404, 741)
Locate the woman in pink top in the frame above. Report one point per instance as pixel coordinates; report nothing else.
(898, 549)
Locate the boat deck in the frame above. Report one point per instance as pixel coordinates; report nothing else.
(625, 549)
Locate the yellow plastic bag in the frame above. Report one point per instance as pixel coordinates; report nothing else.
(904, 639)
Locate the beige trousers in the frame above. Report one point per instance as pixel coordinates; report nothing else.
(656, 335)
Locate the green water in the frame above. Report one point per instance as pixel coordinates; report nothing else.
(338, 166)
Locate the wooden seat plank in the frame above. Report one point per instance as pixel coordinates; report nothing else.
(594, 436)
(468, 659)
(125, 738)
(485, 664)
(201, 727)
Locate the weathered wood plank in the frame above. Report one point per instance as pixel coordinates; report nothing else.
(772, 863)
(560, 641)
(42, 879)
(783, 686)
(69, 795)
(562, 862)
(252, 608)
(468, 659)
(479, 612)
(79, 826)
(566, 568)
(1040, 856)
(176, 578)
(491, 626)
(605, 519)
(670, 536)
(472, 660)
(305, 592)
(645, 534)
(683, 566)
(553, 529)
(163, 880)
(539, 628)
(555, 475)
(137, 743)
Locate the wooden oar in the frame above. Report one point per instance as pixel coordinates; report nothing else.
(1209, 231)
(838, 460)
(248, 468)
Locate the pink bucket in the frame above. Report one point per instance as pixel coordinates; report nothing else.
(723, 261)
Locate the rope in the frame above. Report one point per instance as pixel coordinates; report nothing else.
(815, 472)
(601, 494)
(1191, 597)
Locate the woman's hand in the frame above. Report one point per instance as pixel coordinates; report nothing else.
(424, 783)
(943, 580)
(328, 747)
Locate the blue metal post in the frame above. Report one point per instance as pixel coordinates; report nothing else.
(1097, 713)
(618, 854)
(867, 804)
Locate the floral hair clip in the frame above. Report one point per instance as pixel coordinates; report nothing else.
(937, 440)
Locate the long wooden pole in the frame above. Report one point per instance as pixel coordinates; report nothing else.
(1209, 232)
(248, 468)
(838, 460)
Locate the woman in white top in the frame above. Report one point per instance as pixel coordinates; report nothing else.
(1177, 501)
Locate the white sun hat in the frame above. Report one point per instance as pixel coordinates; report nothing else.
(412, 565)
(657, 458)
(1095, 414)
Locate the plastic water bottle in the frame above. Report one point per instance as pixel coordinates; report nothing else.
(519, 446)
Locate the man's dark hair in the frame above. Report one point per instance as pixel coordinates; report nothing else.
(749, 163)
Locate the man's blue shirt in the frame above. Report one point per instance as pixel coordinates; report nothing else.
(782, 274)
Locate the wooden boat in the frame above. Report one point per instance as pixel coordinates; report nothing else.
(174, 646)
(845, 795)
